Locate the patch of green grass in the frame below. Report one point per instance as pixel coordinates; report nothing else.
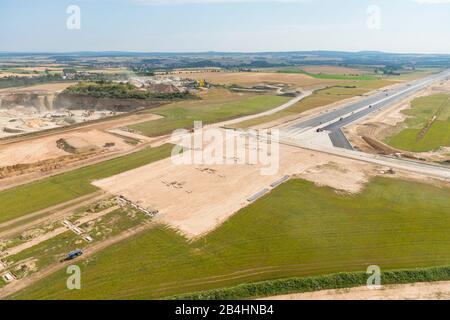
(420, 114)
(298, 230)
(58, 189)
(183, 115)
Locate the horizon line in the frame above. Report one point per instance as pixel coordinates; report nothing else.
(218, 52)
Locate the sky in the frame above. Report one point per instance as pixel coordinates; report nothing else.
(406, 26)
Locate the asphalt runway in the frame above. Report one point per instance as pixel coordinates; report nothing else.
(333, 121)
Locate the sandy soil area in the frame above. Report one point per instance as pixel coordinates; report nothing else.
(32, 149)
(199, 190)
(42, 147)
(255, 78)
(45, 148)
(415, 291)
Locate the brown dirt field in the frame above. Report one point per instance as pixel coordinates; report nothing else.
(201, 205)
(105, 125)
(415, 291)
(45, 148)
(47, 141)
(338, 176)
(334, 70)
(248, 79)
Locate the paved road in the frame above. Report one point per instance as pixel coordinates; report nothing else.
(333, 121)
(339, 139)
(286, 105)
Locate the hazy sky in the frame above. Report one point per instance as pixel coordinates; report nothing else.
(421, 26)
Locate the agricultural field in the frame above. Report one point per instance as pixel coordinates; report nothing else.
(427, 126)
(331, 76)
(415, 74)
(336, 70)
(298, 230)
(249, 79)
(56, 70)
(58, 189)
(217, 106)
(363, 73)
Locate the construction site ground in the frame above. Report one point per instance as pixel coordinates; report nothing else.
(28, 159)
(206, 195)
(199, 189)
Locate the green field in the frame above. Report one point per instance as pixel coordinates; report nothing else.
(322, 98)
(298, 230)
(182, 115)
(419, 136)
(58, 189)
(363, 77)
(415, 74)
